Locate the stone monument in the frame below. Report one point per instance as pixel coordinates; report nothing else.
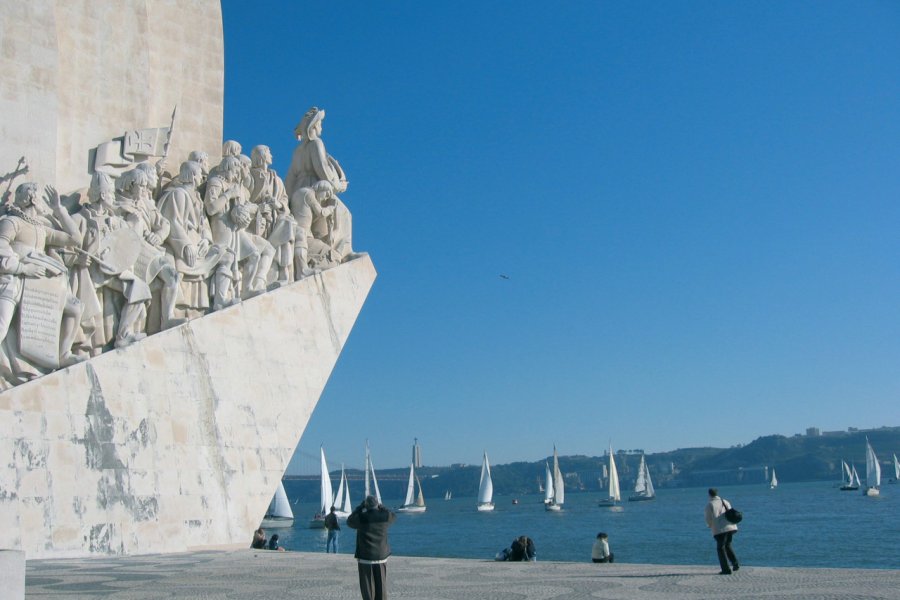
(167, 328)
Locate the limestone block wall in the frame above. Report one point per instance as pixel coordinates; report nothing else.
(76, 73)
(176, 442)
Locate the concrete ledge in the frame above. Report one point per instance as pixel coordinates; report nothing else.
(12, 574)
(263, 574)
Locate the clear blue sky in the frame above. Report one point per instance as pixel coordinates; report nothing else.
(697, 205)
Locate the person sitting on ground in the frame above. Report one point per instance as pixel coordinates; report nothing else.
(259, 539)
(273, 544)
(600, 552)
(522, 548)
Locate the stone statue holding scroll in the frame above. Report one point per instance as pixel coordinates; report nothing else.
(153, 265)
(36, 283)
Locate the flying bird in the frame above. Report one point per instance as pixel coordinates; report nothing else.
(502, 276)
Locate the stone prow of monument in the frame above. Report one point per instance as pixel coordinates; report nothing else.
(176, 442)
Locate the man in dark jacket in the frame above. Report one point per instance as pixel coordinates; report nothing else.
(371, 521)
(334, 530)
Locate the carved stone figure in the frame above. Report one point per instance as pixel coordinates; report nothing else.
(313, 210)
(153, 265)
(114, 297)
(273, 217)
(230, 213)
(190, 240)
(49, 314)
(310, 162)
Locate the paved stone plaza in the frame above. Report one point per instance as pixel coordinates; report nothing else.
(260, 574)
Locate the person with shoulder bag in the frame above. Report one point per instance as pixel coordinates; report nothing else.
(722, 529)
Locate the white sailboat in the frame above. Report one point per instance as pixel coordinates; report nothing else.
(370, 476)
(448, 495)
(485, 487)
(643, 486)
(558, 486)
(873, 472)
(279, 513)
(896, 470)
(326, 496)
(547, 488)
(773, 483)
(847, 477)
(343, 506)
(413, 503)
(614, 496)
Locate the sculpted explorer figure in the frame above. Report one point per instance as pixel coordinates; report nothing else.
(190, 240)
(310, 162)
(273, 221)
(24, 237)
(229, 216)
(153, 265)
(102, 278)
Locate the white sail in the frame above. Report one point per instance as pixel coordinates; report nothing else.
(774, 482)
(336, 503)
(548, 483)
(613, 493)
(279, 513)
(896, 469)
(855, 477)
(325, 486)
(559, 488)
(485, 486)
(873, 471)
(420, 499)
(370, 472)
(847, 476)
(343, 506)
(413, 502)
(643, 485)
(410, 487)
(280, 507)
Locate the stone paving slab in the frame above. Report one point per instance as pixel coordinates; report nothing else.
(283, 575)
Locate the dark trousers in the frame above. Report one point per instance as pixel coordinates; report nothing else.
(373, 581)
(723, 549)
(608, 559)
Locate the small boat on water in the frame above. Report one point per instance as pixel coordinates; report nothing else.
(279, 513)
(413, 503)
(371, 490)
(896, 471)
(873, 472)
(342, 504)
(849, 478)
(547, 489)
(556, 486)
(773, 483)
(325, 493)
(614, 495)
(643, 485)
(485, 487)
(448, 495)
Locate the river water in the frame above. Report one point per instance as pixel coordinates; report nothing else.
(795, 525)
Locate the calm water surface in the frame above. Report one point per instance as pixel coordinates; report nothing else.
(796, 525)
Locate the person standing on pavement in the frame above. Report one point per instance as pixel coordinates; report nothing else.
(722, 530)
(334, 531)
(371, 521)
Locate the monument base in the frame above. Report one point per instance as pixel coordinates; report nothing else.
(179, 441)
